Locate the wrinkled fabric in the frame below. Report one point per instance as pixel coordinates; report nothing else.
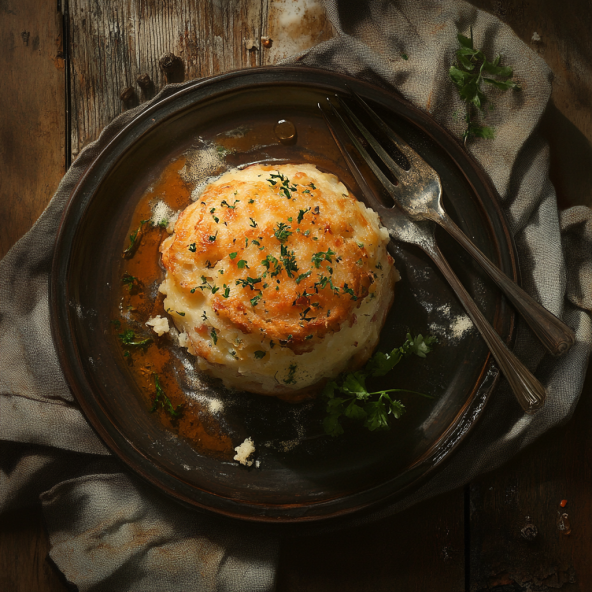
(110, 531)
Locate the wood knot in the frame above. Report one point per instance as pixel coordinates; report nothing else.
(127, 94)
(167, 61)
(144, 81)
(529, 532)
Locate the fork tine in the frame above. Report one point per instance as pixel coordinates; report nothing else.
(371, 198)
(397, 170)
(363, 153)
(404, 148)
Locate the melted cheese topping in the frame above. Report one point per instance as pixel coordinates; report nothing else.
(271, 266)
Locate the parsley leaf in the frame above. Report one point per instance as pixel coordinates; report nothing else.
(134, 239)
(282, 232)
(349, 396)
(129, 280)
(161, 400)
(468, 75)
(128, 337)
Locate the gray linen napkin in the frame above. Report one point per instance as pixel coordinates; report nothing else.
(108, 529)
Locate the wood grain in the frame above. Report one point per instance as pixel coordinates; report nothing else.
(23, 554)
(529, 490)
(115, 41)
(419, 550)
(111, 43)
(32, 120)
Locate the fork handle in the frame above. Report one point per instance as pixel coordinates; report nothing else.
(531, 394)
(553, 333)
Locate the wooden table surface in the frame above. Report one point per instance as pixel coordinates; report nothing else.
(63, 68)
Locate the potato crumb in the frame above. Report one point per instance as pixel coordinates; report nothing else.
(159, 325)
(244, 451)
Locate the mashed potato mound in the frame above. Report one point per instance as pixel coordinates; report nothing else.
(277, 278)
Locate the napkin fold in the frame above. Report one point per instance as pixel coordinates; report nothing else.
(108, 529)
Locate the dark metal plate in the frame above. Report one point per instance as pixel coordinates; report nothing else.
(321, 477)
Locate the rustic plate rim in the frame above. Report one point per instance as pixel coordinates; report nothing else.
(125, 449)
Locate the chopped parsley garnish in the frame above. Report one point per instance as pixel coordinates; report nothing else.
(233, 255)
(128, 337)
(347, 290)
(289, 260)
(255, 299)
(214, 335)
(181, 314)
(467, 76)
(192, 247)
(321, 256)
(303, 276)
(242, 264)
(291, 372)
(286, 188)
(312, 185)
(282, 232)
(213, 237)
(128, 280)
(303, 314)
(226, 292)
(269, 261)
(302, 212)
(163, 223)
(323, 281)
(252, 224)
(161, 400)
(134, 239)
(205, 285)
(259, 354)
(225, 204)
(248, 283)
(349, 396)
(306, 191)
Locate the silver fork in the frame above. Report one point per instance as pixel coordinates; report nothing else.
(419, 194)
(529, 392)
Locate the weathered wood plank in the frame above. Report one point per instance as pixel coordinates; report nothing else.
(419, 550)
(528, 491)
(32, 162)
(115, 41)
(32, 120)
(23, 554)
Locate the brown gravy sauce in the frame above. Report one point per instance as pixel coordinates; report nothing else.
(195, 423)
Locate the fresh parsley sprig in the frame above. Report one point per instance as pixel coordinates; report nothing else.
(161, 400)
(128, 337)
(134, 239)
(470, 71)
(348, 395)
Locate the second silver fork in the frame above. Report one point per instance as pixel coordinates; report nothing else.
(419, 194)
(529, 392)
